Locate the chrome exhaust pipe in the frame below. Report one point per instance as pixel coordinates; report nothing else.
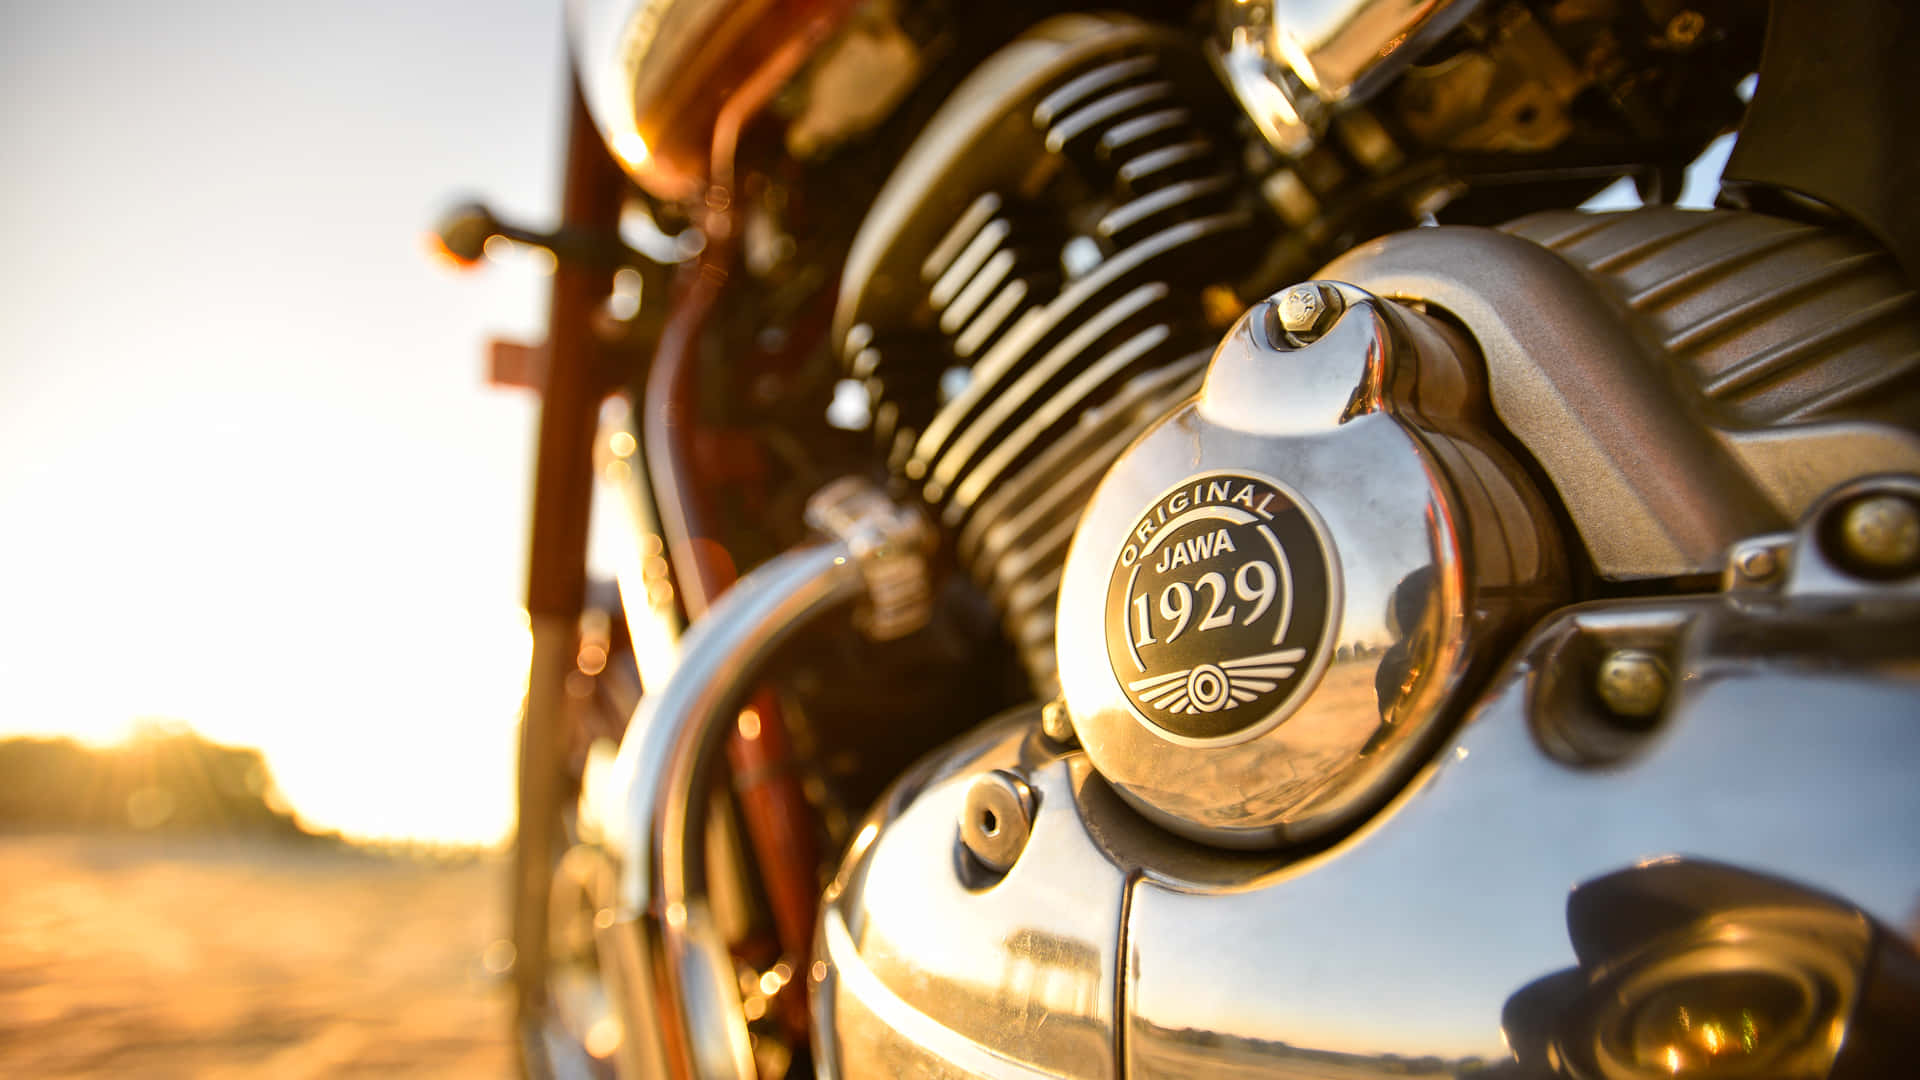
(875, 558)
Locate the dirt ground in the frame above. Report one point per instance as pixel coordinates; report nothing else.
(152, 957)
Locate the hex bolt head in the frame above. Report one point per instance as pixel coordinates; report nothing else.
(1757, 563)
(1632, 683)
(1880, 534)
(1306, 311)
(996, 819)
(1055, 721)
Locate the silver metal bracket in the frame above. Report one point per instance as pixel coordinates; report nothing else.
(890, 543)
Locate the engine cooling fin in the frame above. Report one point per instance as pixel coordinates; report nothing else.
(1043, 236)
(1774, 322)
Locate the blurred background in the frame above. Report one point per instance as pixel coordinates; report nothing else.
(262, 530)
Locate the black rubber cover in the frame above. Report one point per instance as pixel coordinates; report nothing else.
(1835, 117)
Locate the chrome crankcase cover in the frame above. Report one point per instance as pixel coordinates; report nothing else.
(1279, 595)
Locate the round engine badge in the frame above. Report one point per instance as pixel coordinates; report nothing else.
(1219, 605)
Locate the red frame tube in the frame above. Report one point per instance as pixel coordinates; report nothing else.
(573, 387)
(779, 821)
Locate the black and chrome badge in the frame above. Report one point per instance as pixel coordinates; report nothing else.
(1218, 605)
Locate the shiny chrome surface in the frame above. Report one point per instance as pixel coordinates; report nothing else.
(926, 965)
(997, 819)
(660, 76)
(1416, 933)
(1292, 63)
(661, 774)
(1285, 113)
(1761, 368)
(666, 759)
(1438, 547)
(1695, 968)
(1770, 766)
(646, 588)
(1344, 49)
(592, 970)
(1755, 830)
(888, 544)
(623, 50)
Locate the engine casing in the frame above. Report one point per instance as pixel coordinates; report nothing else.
(1719, 769)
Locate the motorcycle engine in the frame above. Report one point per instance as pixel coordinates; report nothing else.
(1375, 605)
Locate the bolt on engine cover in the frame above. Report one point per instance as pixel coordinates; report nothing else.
(1281, 593)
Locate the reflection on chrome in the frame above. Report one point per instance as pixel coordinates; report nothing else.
(1429, 549)
(1693, 968)
(981, 974)
(1440, 938)
(1293, 63)
(1710, 1021)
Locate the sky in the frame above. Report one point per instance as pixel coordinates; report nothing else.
(251, 476)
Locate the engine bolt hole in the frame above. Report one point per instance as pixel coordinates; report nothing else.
(996, 819)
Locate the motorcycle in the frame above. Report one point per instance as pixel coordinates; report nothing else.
(1160, 540)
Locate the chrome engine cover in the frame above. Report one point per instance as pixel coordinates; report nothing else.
(1684, 379)
(1515, 870)
(1279, 591)
(1426, 943)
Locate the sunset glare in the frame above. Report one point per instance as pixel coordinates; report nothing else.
(251, 477)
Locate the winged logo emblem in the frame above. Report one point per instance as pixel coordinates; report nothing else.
(1209, 688)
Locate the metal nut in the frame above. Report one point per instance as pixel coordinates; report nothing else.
(1306, 311)
(996, 819)
(1880, 534)
(1055, 721)
(1632, 683)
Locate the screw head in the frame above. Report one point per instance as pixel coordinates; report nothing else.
(1757, 564)
(996, 819)
(1880, 534)
(1055, 721)
(1632, 683)
(1307, 311)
